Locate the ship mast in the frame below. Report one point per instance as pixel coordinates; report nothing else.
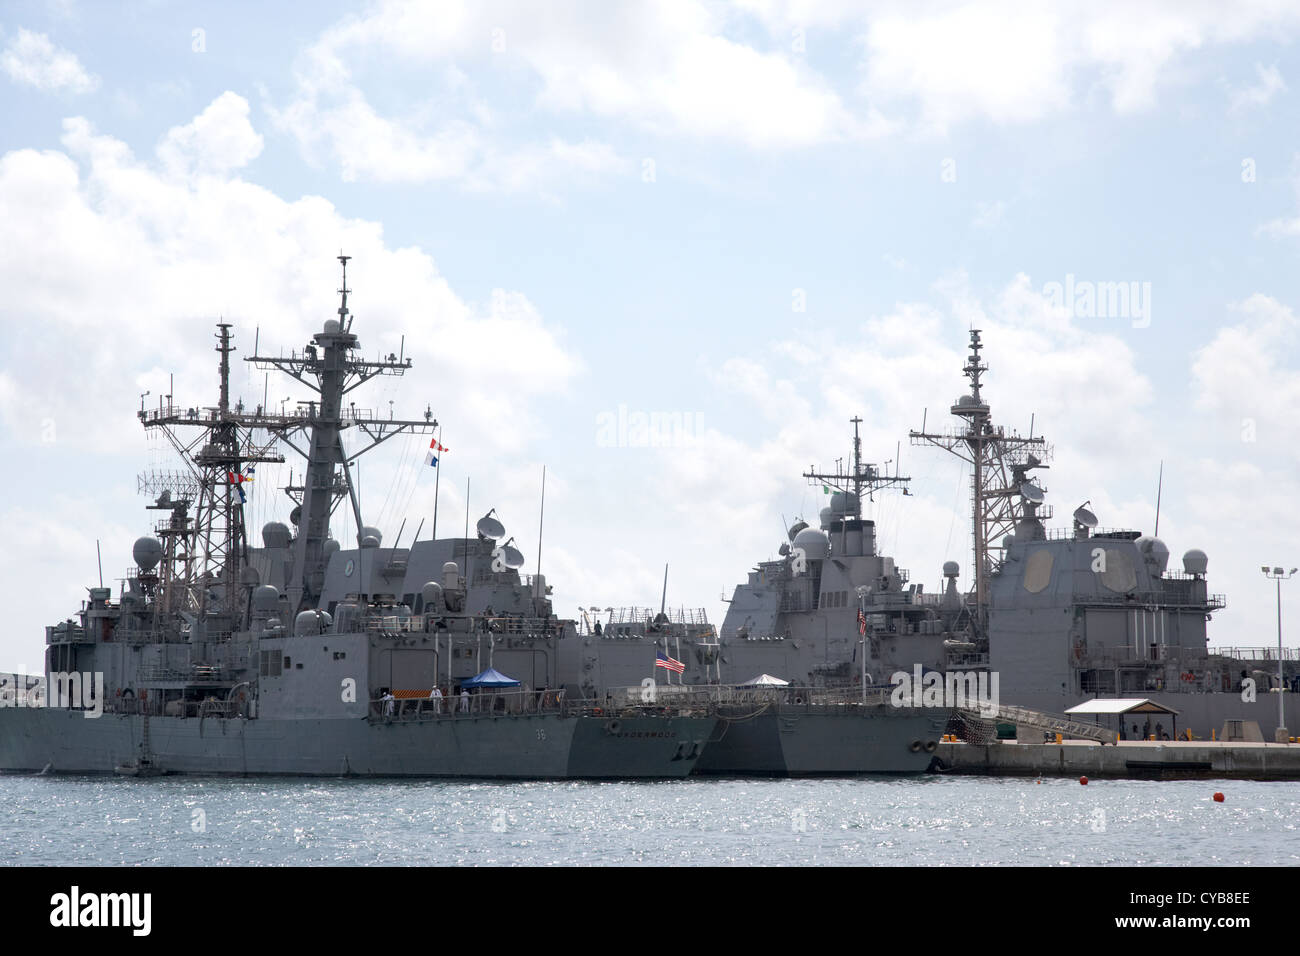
(862, 476)
(1000, 461)
(328, 367)
(202, 574)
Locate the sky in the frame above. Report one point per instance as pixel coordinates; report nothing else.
(731, 226)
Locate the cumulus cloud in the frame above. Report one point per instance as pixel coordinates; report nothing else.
(218, 140)
(31, 59)
(1018, 62)
(138, 256)
(668, 70)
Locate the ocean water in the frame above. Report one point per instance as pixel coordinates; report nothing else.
(53, 820)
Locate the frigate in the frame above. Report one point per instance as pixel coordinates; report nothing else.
(304, 657)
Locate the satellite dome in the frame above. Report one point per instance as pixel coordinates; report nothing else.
(329, 547)
(845, 503)
(966, 400)
(369, 541)
(331, 326)
(275, 535)
(951, 569)
(266, 598)
(147, 552)
(307, 622)
(814, 543)
(796, 528)
(451, 567)
(1195, 561)
(432, 593)
(826, 517)
(369, 532)
(1155, 551)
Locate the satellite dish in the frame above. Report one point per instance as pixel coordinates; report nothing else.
(490, 527)
(1085, 517)
(512, 556)
(1032, 492)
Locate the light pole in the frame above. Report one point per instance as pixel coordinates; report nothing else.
(1279, 575)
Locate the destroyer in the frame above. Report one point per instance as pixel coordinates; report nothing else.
(301, 657)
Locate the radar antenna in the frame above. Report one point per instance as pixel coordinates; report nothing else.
(870, 477)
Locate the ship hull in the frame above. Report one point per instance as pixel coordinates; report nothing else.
(795, 742)
(542, 746)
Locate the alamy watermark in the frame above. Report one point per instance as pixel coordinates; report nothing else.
(1084, 299)
(638, 429)
(77, 909)
(976, 690)
(69, 691)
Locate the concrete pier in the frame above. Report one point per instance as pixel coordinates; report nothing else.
(1132, 758)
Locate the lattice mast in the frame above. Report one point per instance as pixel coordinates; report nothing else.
(1000, 462)
(328, 367)
(205, 553)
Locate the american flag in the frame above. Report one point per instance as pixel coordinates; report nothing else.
(675, 666)
(862, 623)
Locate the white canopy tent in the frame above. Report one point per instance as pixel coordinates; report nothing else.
(765, 680)
(1121, 707)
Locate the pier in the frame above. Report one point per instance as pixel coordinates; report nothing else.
(1170, 759)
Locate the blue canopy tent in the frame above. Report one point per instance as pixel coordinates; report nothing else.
(490, 678)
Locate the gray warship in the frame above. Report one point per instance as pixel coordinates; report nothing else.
(303, 657)
(797, 674)
(1061, 617)
(1070, 615)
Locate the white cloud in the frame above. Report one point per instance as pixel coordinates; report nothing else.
(1269, 84)
(31, 59)
(138, 258)
(218, 140)
(1015, 62)
(1243, 375)
(664, 69)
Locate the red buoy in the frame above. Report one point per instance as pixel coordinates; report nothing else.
(1083, 780)
(1218, 798)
